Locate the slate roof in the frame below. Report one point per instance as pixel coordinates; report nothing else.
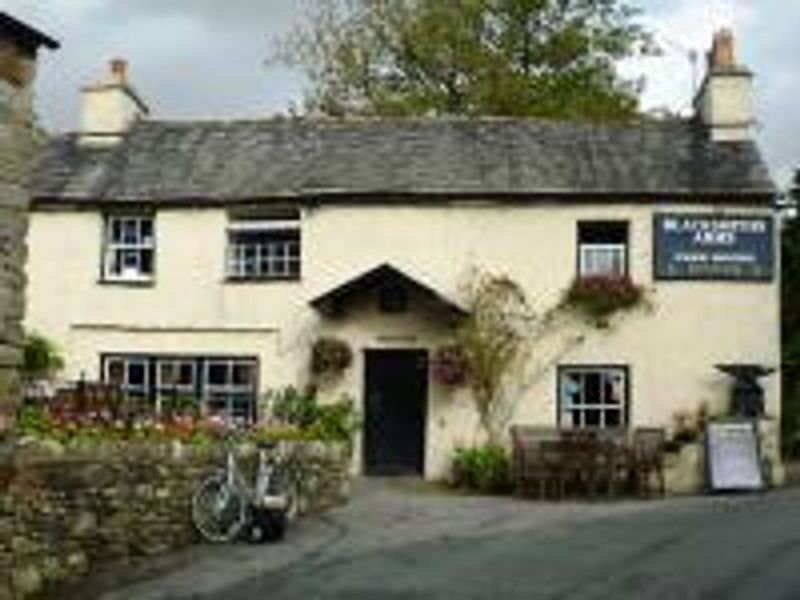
(490, 158)
(26, 35)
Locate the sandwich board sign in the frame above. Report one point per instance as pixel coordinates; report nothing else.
(733, 458)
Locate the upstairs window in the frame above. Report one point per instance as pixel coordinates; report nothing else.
(264, 247)
(602, 248)
(129, 248)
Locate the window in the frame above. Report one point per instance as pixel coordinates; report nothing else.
(602, 248)
(220, 385)
(230, 386)
(264, 247)
(131, 374)
(593, 397)
(129, 250)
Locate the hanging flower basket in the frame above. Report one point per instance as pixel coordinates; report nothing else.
(330, 357)
(450, 366)
(600, 296)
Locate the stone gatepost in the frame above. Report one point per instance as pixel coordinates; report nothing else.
(19, 44)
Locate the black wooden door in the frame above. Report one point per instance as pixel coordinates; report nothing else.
(396, 388)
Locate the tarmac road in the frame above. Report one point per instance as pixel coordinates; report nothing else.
(397, 540)
(720, 548)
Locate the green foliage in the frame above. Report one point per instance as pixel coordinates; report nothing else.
(295, 408)
(493, 341)
(484, 469)
(335, 422)
(41, 357)
(599, 297)
(790, 328)
(332, 422)
(543, 58)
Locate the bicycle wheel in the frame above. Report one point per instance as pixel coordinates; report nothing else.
(219, 511)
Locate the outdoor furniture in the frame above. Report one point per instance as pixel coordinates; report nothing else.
(648, 458)
(548, 462)
(530, 470)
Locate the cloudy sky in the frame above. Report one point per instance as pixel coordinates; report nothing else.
(205, 58)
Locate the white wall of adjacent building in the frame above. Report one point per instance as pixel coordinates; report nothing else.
(670, 349)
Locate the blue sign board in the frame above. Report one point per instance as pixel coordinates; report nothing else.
(713, 247)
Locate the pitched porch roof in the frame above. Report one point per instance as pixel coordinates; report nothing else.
(331, 302)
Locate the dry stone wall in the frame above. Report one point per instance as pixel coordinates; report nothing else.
(63, 512)
(17, 150)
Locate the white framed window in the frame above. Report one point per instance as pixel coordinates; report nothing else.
(593, 397)
(264, 248)
(226, 386)
(230, 387)
(602, 248)
(129, 248)
(130, 373)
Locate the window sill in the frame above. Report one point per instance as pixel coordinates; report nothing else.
(135, 283)
(265, 280)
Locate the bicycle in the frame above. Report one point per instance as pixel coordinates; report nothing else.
(225, 505)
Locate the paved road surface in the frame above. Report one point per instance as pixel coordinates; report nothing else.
(395, 545)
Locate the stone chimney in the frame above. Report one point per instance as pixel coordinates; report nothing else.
(110, 107)
(19, 46)
(724, 103)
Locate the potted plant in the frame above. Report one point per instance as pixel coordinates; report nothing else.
(330, 357)
(450, 366)
(599, 297)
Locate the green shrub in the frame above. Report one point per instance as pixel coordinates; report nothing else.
(296, 408)
(40, 357)
(335, 422)
(484, 469)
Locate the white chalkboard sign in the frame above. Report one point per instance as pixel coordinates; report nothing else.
(733, 458)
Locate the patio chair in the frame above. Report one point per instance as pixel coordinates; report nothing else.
(528, 471)
(648, 458)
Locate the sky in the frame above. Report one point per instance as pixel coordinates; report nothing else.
(206, 58)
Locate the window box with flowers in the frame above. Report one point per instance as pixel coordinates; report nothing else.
(599, 297)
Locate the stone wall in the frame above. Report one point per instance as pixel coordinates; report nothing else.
(63, 512)
(17, 147)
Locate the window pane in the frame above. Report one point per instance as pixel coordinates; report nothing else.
(591, 388)
(137, 374)
(146, 231)
(116, 372)
(116, 230)
(592, 418)
(243, 374)
(130, 231)
(218, 373)
(612, 418)
(146, 262)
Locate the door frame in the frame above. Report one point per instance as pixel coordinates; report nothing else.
(425, 353)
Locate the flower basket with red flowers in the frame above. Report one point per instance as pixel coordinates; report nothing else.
(450, 366)
(598, 297)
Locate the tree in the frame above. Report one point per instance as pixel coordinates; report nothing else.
(790, 324)
(543, 58)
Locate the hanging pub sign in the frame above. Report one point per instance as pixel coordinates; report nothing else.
(713, 247)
